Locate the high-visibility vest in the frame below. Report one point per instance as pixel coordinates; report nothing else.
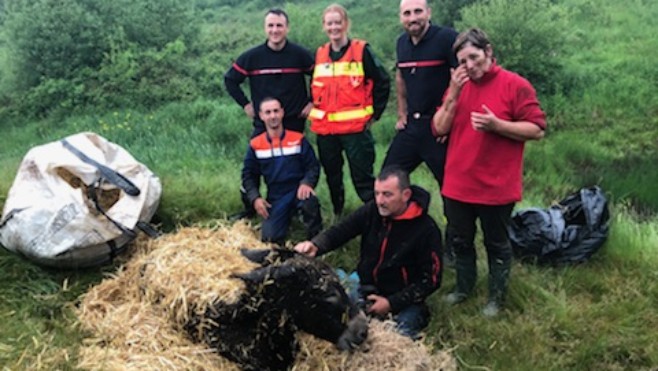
(342, 96)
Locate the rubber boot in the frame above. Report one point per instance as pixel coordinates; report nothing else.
(499, 271)
(248, 212)
(337, 192)
(311, 217)
(448, 249)
(448, 253)
(466, 269)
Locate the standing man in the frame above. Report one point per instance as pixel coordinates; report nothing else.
(399, 264)
(424, 59)
(285, 159)
(277, 68)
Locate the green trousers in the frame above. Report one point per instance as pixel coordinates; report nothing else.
(359, 149)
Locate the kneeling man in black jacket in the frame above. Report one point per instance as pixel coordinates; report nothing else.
(399, 264)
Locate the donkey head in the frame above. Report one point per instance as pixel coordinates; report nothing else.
(311, 293)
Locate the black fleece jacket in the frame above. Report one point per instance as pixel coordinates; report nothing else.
(399, 256)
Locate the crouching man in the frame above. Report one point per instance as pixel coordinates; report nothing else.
(399, 262)
(285, 159)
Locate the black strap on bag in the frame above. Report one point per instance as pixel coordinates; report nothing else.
(123, 183)
(92, 194)
(148, 229)
(108, 174)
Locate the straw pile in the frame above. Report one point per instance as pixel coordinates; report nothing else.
(136, 317)
(385, 349)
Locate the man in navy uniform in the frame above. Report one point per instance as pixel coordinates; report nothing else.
(286, 161)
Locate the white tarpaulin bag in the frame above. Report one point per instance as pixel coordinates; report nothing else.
(77, 202)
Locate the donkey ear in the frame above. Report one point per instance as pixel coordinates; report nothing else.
(256, 255)
(283, 254)
(271, 272)
(257, 275)
(268, 256)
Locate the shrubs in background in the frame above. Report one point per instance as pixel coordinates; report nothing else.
(91, 53)
(75, 54)
(528, 37)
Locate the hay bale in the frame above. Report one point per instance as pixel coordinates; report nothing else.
(135, 317)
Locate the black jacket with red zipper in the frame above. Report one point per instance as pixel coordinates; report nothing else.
(400, 256)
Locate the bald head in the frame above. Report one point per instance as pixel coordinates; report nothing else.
(421, 2)
(415, 16)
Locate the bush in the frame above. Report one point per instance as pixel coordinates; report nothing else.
(306, 26)
(53, 40)
(447, 12)
(528, 37)
(73, 52)
(147, 78)
(52, 94)
(154, 23)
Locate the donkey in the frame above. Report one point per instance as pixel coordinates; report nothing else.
(287, 293)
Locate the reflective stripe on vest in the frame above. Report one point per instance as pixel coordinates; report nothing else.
(277, 152)
(319, 114)
(351, 114)
(265, 147)
(353, 69)
(316, 114)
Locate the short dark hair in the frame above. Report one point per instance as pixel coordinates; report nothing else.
(398, 172)
(474, 37)
(278, 11)
(268, 99)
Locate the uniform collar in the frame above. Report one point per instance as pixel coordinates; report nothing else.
(413, 210)
(277, 51)
(489, 75)
(269, 139)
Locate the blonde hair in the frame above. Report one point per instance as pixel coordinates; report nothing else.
(338, 9)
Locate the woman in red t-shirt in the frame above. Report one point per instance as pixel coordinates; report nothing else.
(490, 113)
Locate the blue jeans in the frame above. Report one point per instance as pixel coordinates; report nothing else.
(284, 206)
(410, 320)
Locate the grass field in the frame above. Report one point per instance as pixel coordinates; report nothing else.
(600, 315)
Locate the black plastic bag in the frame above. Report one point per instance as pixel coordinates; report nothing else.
(569, 232)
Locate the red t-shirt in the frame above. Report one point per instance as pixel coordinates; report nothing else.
(482, 167)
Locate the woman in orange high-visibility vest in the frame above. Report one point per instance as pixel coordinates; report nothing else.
(350, 90)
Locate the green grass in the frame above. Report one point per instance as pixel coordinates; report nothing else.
(38, 328)
(599, 315)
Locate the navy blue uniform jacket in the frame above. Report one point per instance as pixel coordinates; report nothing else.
(284, 162)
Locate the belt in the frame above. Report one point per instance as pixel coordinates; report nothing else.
(419, 116)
